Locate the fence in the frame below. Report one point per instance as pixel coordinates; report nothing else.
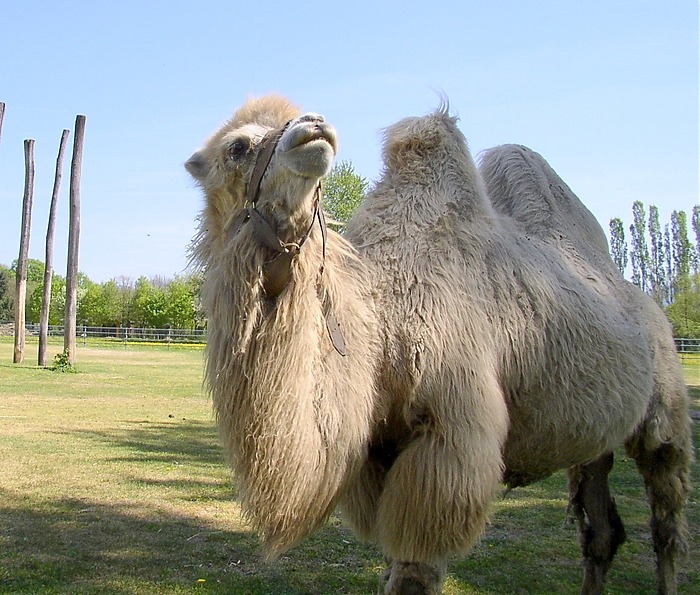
(687, 346)
(688, 349)
(126, 335)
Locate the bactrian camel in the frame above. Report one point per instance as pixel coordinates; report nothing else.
(469, 330)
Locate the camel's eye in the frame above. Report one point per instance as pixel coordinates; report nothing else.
(238, 148)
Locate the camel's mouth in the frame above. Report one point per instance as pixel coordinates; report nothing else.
(319, 132)
(320, 137)
(309, 130)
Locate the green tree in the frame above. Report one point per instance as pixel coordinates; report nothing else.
(657, 270)
(90, 306)
(35, 270)
(343, 191)
(125, 286)
(618, 245)
(639, 252)
(100, 305)
(7, 294)
(695, 222)
(180, 309)
(58, 302)
(668, 262)
(149, 306)
(684, 312)
(682, 251)
(139, 309)
(112, 304)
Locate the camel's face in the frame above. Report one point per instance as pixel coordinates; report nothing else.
(304, 154)
(307, 147)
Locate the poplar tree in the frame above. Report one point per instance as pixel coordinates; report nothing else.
(695, 222)
(639, 253)
(668, 262)
(682, 251)
(618, 245)
(657, 271)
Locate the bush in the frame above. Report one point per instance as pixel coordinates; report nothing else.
(61, 363)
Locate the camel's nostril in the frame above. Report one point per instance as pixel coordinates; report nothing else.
(312, 118)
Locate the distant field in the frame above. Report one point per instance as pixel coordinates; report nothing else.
(113, 482)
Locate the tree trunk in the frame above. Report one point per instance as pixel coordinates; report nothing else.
(21, 292)
(48, 263)
(73, 240)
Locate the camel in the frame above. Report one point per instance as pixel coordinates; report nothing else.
(469, 330)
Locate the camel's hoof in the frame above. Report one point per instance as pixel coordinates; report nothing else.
(414, 578)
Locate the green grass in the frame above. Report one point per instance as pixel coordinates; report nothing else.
(112, 481)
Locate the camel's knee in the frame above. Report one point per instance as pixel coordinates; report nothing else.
(666, 472)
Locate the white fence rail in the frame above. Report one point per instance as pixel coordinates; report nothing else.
(684, 346)
(128, 334)
(687, 345)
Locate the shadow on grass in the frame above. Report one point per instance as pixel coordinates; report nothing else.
(145, 544)
(80, 546)
(167, 442)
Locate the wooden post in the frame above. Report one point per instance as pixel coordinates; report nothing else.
(2, 116)
(21, 273)
(73, 240)
(48, 263)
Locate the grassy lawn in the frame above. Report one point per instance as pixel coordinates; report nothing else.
(112, 481)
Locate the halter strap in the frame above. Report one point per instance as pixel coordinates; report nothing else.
(277, 272)
(268, 144)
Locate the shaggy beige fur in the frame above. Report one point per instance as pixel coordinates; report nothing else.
(294, 416)
(488, 339)
(521, 184)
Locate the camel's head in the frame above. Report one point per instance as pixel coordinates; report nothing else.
(302, 154)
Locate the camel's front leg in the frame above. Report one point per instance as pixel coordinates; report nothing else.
(437, 493)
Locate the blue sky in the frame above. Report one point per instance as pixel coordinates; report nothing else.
(605, 90)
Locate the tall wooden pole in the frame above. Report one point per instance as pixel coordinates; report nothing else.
(2, 116)
(73, 240)
(48, 262)
(21, 274)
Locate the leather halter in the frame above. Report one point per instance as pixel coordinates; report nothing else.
(277, 272)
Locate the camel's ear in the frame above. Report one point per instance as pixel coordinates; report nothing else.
(198, 166)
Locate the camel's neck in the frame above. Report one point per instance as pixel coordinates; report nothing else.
(295, 414)
(290, 207)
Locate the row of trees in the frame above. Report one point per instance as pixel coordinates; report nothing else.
(663, 262)
(121, 302)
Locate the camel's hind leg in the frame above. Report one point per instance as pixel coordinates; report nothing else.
(665, 469)
(600, 528)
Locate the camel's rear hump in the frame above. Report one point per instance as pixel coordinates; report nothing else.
(522, 185)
